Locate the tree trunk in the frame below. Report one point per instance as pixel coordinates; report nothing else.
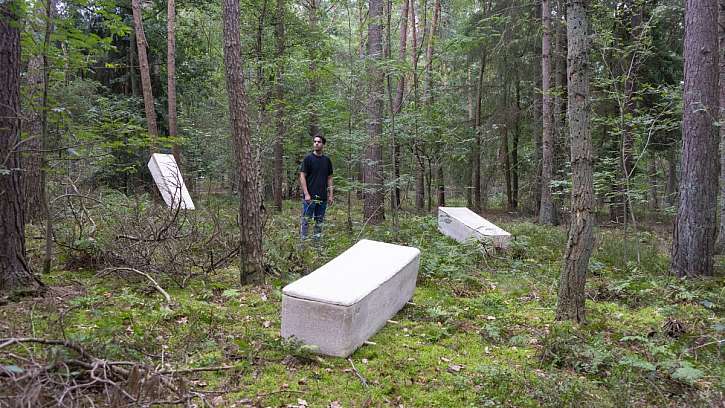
(515, 147)
(695, 227)
(571, 297)
(506, 164)
(654, 202)
(441, 185)
(671, 187)
(427, 83)
(314, 124)
(32, 159)
(279, 105)
(132, 55)
(478, 128)
(171, 76)
(398, 103)
(469, 94)
(546, 211)
(148, 98)
(374, 204)
(44, 139)
(417, 144)
(250, 211)
(721, 39)
(14, 270)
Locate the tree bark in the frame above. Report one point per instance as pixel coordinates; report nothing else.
(721, 39)
(132, 55)
(571, 296)
(314, 120)
(279, 105)
(695, 227)
(148, 98)
(478, 128)
(32, 159)
(417, 143)
(14, 270)
(427, 83)
(546, 210)
(250, 209)
(374, 204)
(171, 76)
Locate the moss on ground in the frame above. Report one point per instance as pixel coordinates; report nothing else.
(480, 330)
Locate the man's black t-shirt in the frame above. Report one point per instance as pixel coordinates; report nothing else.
(317, 169)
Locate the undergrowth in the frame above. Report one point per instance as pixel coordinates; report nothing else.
(480, 330)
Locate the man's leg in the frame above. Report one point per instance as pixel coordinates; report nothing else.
(319, 215)
(307, 212)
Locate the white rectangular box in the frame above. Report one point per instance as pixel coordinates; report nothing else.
(167, 177)
(343, 303)
(462, 224)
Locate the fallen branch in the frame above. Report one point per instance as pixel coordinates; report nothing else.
(357, 373)
(136, 271)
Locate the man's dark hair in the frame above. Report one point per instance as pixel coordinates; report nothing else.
(324, 141)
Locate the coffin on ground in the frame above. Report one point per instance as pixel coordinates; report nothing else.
(462, 224)
(343, 303)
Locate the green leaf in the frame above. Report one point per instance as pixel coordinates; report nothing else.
(687, 373)
(636, 362)
(230, 293)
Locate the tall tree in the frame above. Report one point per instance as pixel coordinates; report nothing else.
(14, 270)
(546, 209)
(695, 227)
(250, 206)
(417, 144)
(374, 208)
(171, 74)
(570, 304)
(721, 38)
(398, 103)
(148, 97)
(279, 104)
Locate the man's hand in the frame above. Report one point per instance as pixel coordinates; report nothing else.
(308, 198)
(330, 199)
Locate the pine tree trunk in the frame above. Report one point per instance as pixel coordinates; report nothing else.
(654, 202)
(571, 296)
(279, 105)
(478, 129)
(132, 56)
(721, 40)
(374, 204)
(14, 270)
(32, 159)
(314, 120)
(695, 227)
(515, 147)
(398, 103)
(546, 210)
(250, 212)
(427, 83)
(469, 95)
(148, 98)
(171, 75)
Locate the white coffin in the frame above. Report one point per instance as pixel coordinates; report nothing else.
(462, 224)
(340, 305)
(167, 177)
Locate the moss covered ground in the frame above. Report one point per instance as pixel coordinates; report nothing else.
(480, 330)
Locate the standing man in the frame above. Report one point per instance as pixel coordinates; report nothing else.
(316, 184)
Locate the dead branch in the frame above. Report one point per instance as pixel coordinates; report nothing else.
(136, 271)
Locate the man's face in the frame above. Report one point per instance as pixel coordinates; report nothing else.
(317, 144)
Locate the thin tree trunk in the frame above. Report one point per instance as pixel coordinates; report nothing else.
(427, 83)
(132, 56)
(250, 211)
(671, 187)
(398, 103)
(148, 98)
(314, 120)
(171, 76)
(441, 185)
(506, 164)
(572, 282)
(44, 144)
(32, 159)
(695, 228)
(515, 147)
(14, 270)
(654, 202)
(417, 143)
(469, 94)
(721, 39)
(478, 135)
(374, 204)
(279, 106)
(546, 211)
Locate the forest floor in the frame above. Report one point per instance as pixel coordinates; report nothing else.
(480, 330)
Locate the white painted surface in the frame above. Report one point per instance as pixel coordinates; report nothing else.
(168, 179)
(342, 304)
(356, 272)
(462, 224)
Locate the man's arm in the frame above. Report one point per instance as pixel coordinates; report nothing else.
(330, 188)
(303, 186)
